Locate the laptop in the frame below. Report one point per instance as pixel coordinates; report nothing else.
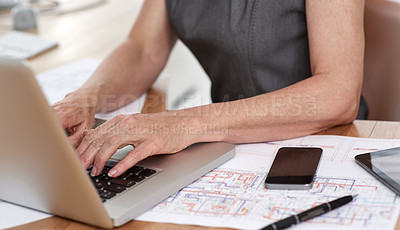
(39, 168)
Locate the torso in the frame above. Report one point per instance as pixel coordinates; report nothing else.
(248, 47)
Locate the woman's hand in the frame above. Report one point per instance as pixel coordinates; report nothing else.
(76, 114)
(150, 134)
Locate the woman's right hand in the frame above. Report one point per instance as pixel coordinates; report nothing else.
(76, 114)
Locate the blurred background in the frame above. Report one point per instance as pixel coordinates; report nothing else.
(382, 59)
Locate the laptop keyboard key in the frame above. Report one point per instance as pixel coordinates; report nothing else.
(135, 178)
(107, 194)
(122, 182)
(115, 188)
(147, 172)
(106, 169)
(104, 179)
(135, 169)
(100, 184)
(125, 175)
(94, 178)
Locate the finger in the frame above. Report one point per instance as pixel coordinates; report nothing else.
(111, 145)
(77, 136)
(86, 142)
(89, 137)
(133, 157)
(88, 156)
(93, 142)
(75, 140)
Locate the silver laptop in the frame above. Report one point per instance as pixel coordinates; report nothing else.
(39, 169)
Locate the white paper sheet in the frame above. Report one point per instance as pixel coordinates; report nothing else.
(13, 215)
(233, 195)
(60, 81)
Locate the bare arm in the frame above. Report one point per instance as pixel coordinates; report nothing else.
(135, 64)
(329, 97)
(124, 75)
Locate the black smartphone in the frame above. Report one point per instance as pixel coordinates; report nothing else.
(293, 168)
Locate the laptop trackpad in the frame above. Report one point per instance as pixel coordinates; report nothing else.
(121, 153)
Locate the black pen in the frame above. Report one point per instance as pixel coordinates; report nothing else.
(310, 213)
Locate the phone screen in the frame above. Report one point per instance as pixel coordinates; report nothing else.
(293, 168)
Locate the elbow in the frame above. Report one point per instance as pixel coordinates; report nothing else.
(348, 114)
(338, 112)
(343, 111)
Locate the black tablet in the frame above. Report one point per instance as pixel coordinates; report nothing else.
(384, 165)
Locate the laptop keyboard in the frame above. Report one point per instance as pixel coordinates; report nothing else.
(22, 45)
(108, 187)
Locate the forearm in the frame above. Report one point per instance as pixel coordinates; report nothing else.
(122, 77)
(135, 64)
(304, 108)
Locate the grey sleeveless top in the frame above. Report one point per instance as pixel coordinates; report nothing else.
(248, 47)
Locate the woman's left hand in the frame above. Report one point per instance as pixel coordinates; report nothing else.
(150, 134)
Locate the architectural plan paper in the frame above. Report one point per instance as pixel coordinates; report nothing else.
(233, 195)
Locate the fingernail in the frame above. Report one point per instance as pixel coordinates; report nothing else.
(112, 172)
(94, 171)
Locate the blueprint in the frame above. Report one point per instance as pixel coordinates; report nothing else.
(233, 195)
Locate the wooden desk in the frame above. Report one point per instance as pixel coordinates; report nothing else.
(367, 129)
(94, 33)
